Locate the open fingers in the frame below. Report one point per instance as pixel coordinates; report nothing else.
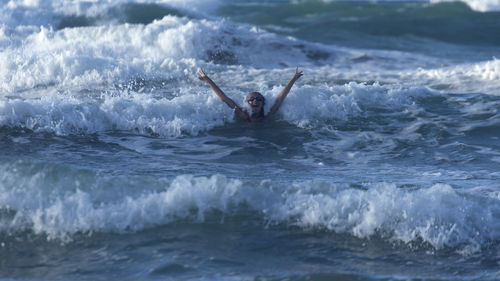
(297, 72)
(202, 74)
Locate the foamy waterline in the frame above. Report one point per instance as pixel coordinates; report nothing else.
(197, 111)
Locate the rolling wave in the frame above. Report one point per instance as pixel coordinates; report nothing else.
(60, 204)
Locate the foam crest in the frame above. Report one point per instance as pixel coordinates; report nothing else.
(61, 201)
(198, 111)
(138, 113)
(438, 215)
(477, 5)
(316, 105)
(187, 114)
(88, 57)
(75, 207)
(471, 77)
(49, 13)
(171, 48)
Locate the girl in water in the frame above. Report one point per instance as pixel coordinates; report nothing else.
(255, 99)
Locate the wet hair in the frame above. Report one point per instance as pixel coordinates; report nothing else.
(261, 113)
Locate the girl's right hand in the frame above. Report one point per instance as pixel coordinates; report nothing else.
(297, 73)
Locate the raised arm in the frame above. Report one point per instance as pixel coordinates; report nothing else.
(221, 95)
(281, 97)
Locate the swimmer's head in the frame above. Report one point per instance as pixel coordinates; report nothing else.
(256, 101)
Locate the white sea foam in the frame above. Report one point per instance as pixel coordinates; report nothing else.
(171, 48)
(470, 77)
(477, 5)
(34, 55)
(198, 110)
(86, 57)
(60, 203)
(438, 215)
(347, 101)
(47, 13)
(139, 113)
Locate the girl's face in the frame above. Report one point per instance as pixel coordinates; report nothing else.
(256, 102)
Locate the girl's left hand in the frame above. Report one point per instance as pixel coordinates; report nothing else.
(202, 74)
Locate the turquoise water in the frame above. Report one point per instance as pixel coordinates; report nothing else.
(117, 163)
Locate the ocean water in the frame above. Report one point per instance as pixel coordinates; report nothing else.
(117, 163)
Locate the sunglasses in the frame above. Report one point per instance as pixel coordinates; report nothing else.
(255, 98)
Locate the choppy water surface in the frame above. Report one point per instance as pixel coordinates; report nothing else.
(118, 163)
